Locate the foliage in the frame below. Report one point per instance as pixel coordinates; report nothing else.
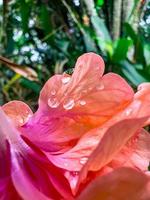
(48, 36)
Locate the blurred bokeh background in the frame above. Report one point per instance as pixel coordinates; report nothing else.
(39, 38)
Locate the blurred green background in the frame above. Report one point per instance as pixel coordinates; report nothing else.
(44, 37)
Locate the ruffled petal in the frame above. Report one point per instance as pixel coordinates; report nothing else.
(80, 95)
(111, 143)
(136, 153)
(70, 106)
(27, 169)
(121, 184)
(18, 112)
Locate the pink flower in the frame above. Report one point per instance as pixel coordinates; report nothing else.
(25, 172)
(87, 131)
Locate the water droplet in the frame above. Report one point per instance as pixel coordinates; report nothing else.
(66, 164)
(82, 102)
(53, 102)
(100, 87)
(128, 111)
(53, 92)
(84, 91)
(74, 173)
(66, 79)
(69, 104)
(83, 160)
(21, 120)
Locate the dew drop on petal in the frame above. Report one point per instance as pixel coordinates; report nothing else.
(66, 79)
(100, 87)
(21, 120)
(53, 102)
(69, 104)
(53, 92)
(84, 91)
(65, 164)
(128, 111)
(75, 173)
(82, 102)
(73, 179)
(83, 160)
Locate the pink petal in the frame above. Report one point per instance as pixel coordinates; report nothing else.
(111, 143)
(68, 110)
(121, 184)
(27, 168)
(18, 112)
(136, 153)
(77, 156)
(143, 95)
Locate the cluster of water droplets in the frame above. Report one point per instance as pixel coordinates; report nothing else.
(69, 103)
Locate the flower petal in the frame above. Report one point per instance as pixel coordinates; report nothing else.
(121, 184)
(28, 169)
(136, 153)
(18, 112)
(143, 95)
(69, 106)
(111, 143)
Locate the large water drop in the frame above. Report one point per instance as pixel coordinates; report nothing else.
(53, 102)
(53, 92)
(69, 104)
(66, 79)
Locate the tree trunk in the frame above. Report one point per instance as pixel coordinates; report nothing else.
(116, 24)
(127, 7)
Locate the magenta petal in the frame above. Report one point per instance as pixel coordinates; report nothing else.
(27, 169)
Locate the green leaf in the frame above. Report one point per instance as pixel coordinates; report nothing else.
(138, 44)
(31, 85)
(89, 42)
(101, 29)
(63, 45)
(147, 54)
(132, 74)
(25, 9)
(45, 21)
(102, 34)
(100, 2)
(130, 32)
(121, 49)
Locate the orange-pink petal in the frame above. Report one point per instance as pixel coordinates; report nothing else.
(18, 112)
(120, 184)
(70, 106)
(111, 143)
(136, 153)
